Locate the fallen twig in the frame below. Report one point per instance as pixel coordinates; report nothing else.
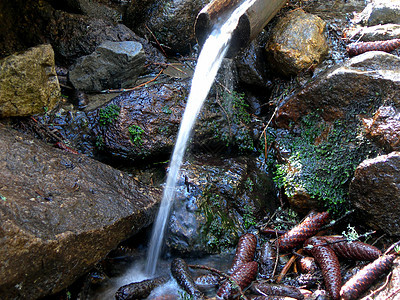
(134, 88)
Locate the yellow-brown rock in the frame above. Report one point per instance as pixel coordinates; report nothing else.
(297, 43)
(28, 82)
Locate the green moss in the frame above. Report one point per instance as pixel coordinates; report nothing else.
(322, 160)
(167, 110)
(136, 134)
(109, 114)
(219, 231)
(238, 118)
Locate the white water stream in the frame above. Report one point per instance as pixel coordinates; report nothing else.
(209, 61)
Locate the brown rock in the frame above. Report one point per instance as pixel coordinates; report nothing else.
(354, 87)
(375, 191)
(28, 82)
(297, 43)
(384, 128)
(60, 214)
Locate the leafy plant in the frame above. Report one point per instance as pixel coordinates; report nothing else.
(109, 114)
(136, 134)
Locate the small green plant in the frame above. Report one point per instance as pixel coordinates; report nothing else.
(3, 198)
(185, 296)
(167, 110)
(397, 249)
(136, 134)
(109, 114)
(99, 143)
(351, 234)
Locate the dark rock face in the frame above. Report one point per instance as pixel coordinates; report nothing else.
(111, 65)
(60, 214)
(375, 191)
(172, 22)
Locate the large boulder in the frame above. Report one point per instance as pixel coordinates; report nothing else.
(60, 214)
(357, 86)
(28, 82)
(375, 192)
(297, 43)
(111, 65)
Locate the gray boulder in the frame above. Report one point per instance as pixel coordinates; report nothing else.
(381, 12)
(28, 82)
(375, 191)
(60, 214)
(111, 65)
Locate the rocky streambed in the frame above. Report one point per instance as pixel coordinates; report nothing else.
(91, 97)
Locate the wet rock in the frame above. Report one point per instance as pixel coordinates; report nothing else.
(251, 65)
(381, 12)
(75, 35)
(61, 213)
(28, 82)
(374, 192)
(216, 202)
(171, 22)
(374, 33)
(357, 86)
(384, 128)
(142, 123)
(111, 65)
(297, 43)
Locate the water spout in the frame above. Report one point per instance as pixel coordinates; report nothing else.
(215, 47)
(250, 24)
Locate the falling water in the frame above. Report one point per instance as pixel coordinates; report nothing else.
(209, 61)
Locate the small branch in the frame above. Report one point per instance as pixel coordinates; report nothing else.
(134, 88)
(158, 43)
(287, 266)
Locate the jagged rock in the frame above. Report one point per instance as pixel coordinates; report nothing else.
(216, 202)
(375, 191)
(357, 86)
(73, 36)
(112, 65)
(28, 82)
(60, 214)
(297, 43)
(381, 12)
(170, 21)
(384, 128)
(374, 33)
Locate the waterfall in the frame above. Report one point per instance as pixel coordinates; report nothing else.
(209, 61)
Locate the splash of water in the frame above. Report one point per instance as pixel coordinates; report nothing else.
(209, 61)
